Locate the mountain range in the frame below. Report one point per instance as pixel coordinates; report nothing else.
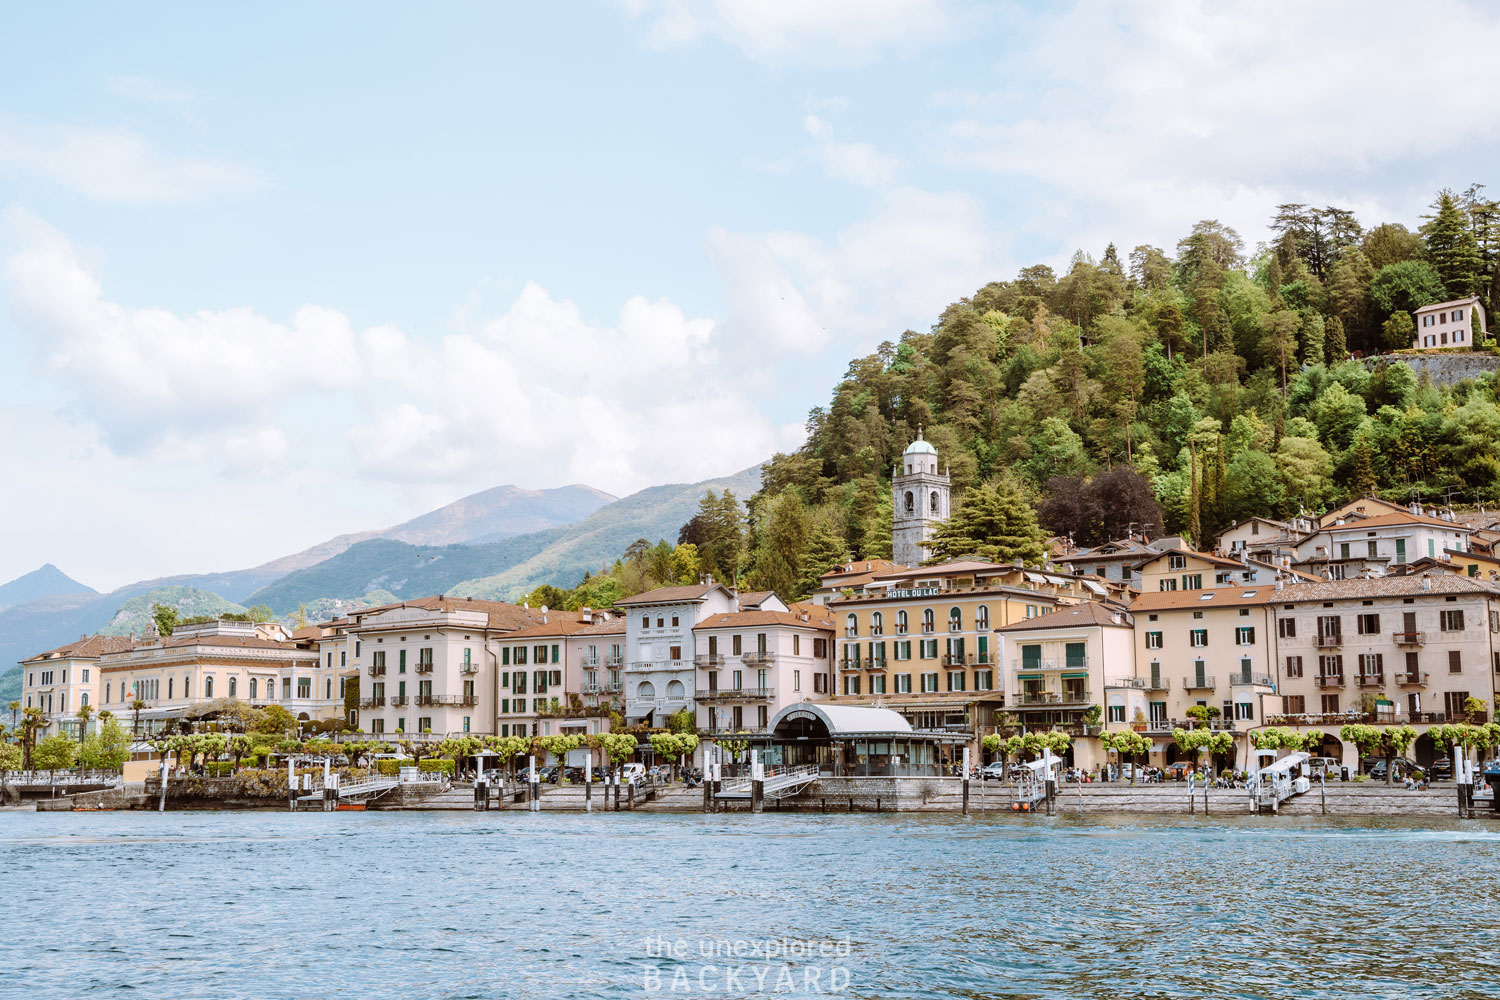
(499, 542)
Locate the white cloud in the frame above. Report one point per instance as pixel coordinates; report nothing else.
(791, 292)
(543, 394)
(837, 32)
(859, 162)
(1192, 110)
(115, 165)
(154, 381)
(138, 88)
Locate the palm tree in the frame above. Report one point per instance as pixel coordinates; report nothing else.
(85, 711)
(15, 707)
(31, 721)
(136, 706)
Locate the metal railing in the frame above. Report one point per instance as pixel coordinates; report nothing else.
(1198, 684)
(735, 694)
(964, 660)
(1407, 677)
(876, 664)
(371, 702)
(1408, 638)
(758, 659)
(1051, 663)
(468, 668)
(1370, 680)
(1158, 684)
(377, 671)
(399, 701)
(643, 666)
(709, 660)
(424, 668)
(1329, 641)
(1251, 680)
(1329, 680)
(1047, 698)
(464, 701)
(1126, 682)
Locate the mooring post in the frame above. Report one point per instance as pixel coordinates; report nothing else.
(1192, 783)
(1323, 792)
(534, 783)
(291, 784)
(757, 782)
(966, 781)
(615, 778)
(588, 783)
(162, 806)
(481, 793)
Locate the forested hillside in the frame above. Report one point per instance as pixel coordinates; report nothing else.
(1223, 376)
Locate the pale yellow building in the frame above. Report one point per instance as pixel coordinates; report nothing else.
(60, 680)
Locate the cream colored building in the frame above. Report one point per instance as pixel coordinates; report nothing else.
(751, 664)
(256, 664)
(1450, 325)
(60, 680)
(1060, 665)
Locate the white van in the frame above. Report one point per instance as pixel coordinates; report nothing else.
(1326, 767)
(633, 773)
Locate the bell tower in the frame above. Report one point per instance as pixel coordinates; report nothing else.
(920, 502)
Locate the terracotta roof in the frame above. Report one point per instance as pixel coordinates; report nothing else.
(1205, 556)
(962, 566)
(1386, 586)
(672, 595)
(88, 646)
(754, 597)
(228, 640)
(1086, 614)
(750, 619)
(1218, 597)
(308, 632)
(610, 626)
(559, 623)
(502, 616)
(859, 568)
(1403, 517)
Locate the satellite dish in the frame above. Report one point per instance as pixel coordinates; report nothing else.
(544, 609)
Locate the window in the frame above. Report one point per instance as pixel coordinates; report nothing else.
(645, 621)
(674, 621)
(1452, 620)
(1371, 664)
(955, 620)
(981, 620)
(1153, 640)
(1295, 704)
(1198, 637)
(1329, 626)
(107, 690)
(877, 686)
(903, 683)
(929, 620)
(1117, 713)
(796, 680)
(233, 685)
(1330, 704)
(661, 623)
(955, 680)
(984, 680)
(737, 644)
(1244, 710)
(1286, 628)
(1453, 703)
(1368, 624)
(930, 682)
(877, 624)
(1455, 662)
(851, 684)
(820, 648)
(796, 644)
(851, 627)
(1245, 635)
(1176, 562)
(169, 687)
(1192, 581)
(304, 687)
(901, 622)
(928, 649)
(1167, 583)
(1294, 666)
(252, 688)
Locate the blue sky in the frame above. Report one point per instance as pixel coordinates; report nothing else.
(274, 274)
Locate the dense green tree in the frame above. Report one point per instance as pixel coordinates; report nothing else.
(1406, 287)
(994, 522)
(1451, 247)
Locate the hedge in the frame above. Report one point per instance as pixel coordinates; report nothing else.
(436, 766)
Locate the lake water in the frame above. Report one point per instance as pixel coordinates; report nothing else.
(453, 905)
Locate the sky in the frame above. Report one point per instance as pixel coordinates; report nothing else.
(271, 274)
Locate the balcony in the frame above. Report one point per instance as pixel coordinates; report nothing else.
(758, 659)
(1251, 680)
(848, 664)
(468, 668)
(377, 671)
(1158, 684)
(1333, 641)
(1051, 663)
(958, 661)
(442, 700)
(955, 625)
(399, 701)
(1408, 638)
(648, 666)
(1329, 680)
(736, 694)
(363, 702)
(1126, 682)
(1198, 684)
(424, 666)
(1410, 679)
(876, 665)
(614, 662)
(709, 661)
(1370, 680)
(1050, 698)
(851, 633)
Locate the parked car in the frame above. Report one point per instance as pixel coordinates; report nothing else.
(633, 773)
(1179, 770)
(1442, 769)
(573, 774)
(993, 772)
(1375, 767)
(1325, 767)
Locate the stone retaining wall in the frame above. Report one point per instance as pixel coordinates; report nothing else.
(1442, 367)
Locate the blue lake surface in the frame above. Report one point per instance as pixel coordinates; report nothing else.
(230, 905)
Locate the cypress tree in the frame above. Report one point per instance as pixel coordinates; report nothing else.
(1452, 249)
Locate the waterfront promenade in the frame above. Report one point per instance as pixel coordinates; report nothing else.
(1354, 798)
